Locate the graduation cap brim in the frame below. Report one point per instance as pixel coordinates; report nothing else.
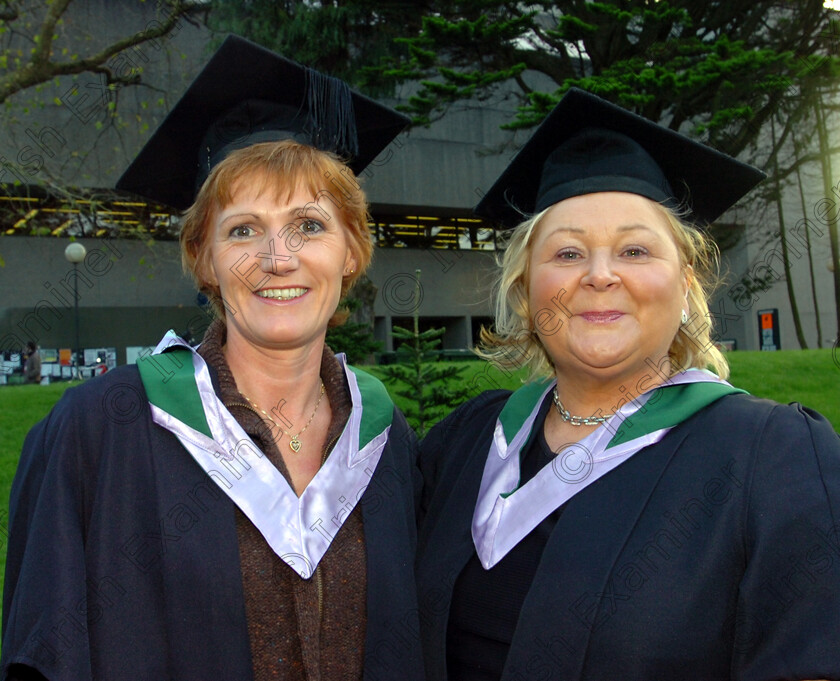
(705, 181)
(166, 168)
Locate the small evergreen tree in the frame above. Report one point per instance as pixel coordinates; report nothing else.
(431, 387)
(354, 339)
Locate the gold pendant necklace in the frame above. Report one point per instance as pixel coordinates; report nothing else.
(294, 443)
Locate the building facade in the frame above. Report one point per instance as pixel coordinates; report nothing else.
(433, 257)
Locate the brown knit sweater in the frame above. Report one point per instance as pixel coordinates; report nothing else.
(299, 629)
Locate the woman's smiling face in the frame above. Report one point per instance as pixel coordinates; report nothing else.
(278, 262)
(608, 266)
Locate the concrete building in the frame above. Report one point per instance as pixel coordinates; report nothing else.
(422, 190)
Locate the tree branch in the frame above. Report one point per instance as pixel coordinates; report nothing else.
(8, 12)
(40, 69)
(44, 38)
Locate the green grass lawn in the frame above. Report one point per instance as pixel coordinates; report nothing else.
(21, 407)
(807, 376)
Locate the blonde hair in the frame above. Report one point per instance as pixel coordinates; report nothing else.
(281, 167)
(513, 343)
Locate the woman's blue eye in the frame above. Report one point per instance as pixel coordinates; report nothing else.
(241, 231)
(635, 251)
(568, 255)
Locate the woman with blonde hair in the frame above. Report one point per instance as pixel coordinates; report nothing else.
(627, 513)
(243, 510)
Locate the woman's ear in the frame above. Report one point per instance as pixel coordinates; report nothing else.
(688, 280)
(349, 264)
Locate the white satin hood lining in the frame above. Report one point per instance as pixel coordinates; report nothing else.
(298, 529)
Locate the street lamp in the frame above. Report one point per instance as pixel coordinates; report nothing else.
(75, 253)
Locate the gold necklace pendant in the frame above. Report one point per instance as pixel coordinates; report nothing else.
(295, 443)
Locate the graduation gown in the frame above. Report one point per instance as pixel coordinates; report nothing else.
(123, 558)
(712, 554)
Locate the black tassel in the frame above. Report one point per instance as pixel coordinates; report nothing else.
(330, 104)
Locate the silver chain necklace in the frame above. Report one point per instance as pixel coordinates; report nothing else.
(578, 420)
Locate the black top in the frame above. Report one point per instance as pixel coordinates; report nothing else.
(486, 603)
(712, 554)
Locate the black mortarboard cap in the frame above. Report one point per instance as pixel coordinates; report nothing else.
(587, 145)
(247, 94)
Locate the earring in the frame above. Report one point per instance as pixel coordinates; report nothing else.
(684, 318)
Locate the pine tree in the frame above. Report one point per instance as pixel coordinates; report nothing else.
(430, 387)
(337, 37)
(717, 69)
(354, 339)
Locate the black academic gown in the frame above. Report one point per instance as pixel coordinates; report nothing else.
(123, 558)
(713, 554)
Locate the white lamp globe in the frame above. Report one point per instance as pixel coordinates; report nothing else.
(75, 252)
